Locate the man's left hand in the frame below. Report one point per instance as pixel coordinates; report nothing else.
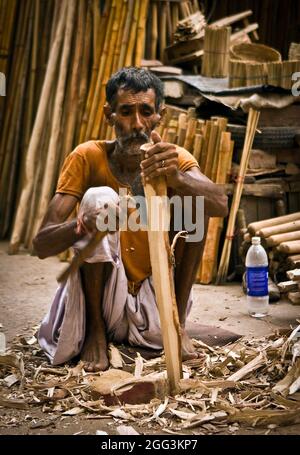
(161, 159)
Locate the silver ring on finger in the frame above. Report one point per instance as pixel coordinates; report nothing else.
(163, 163)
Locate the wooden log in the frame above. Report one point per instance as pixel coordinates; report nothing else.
(292, 247)
(288, 286)
(158, 222)
(257, 225)
(190, 134)
(36, 133)
(294, 297)
(294, 274)
(279, 229)
(274, 240)
(154, 30)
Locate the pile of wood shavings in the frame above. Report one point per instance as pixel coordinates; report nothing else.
(249, 383)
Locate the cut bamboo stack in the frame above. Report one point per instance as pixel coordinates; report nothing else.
(216, 51)
(280, 236)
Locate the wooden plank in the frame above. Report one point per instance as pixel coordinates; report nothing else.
(162, 272)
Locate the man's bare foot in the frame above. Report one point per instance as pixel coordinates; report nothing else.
(94, 353)
(188, 350)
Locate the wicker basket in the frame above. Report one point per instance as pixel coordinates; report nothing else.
(254, 53)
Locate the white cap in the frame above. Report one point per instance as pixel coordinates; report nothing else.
(255, 240)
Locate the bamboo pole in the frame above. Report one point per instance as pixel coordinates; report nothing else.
(154, 31)
(158, 220)
(132, 36)
(71, 103)
(53, 151)
(96, 90)
(96, 68)
(280, 229)
(162, 31)
(36, 133)
(253, 117)
(141, 31)
(117, 54)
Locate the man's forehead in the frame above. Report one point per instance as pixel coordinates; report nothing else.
(127, 96)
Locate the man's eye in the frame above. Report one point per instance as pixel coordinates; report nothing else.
(147, 113)
(125, 113)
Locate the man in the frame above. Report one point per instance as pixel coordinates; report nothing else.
(112, 297)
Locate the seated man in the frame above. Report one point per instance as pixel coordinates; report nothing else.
(112, 296)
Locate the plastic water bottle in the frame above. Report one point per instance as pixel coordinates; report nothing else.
(257, 280)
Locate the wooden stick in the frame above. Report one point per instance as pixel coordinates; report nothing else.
(79, 258)
(253, 117)
(274, 240)
(162, 272)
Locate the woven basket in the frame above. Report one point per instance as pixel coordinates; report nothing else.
(254, 53)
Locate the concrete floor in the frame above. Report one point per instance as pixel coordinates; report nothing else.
(27, 286)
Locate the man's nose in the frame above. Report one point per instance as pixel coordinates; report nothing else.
(137, 122)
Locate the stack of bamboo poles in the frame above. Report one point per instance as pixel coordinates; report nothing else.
(64, 57)
(216, 51)
(280, 236)
(294, 51)
(212, 147)
(162, 22)
(253, 117)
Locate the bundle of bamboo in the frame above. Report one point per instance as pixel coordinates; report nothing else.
(294, 51)
(65, 73)
(216, 51)
(244, 74)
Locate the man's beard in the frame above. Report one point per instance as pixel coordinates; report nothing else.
(131, 143)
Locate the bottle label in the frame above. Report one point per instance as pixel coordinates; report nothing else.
(257, 281)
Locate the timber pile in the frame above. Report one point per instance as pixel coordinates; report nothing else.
(63, 57)
(280, 237)
(251, 383)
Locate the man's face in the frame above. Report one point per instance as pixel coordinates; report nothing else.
(135, 117)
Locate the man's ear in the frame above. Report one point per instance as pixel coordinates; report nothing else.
(109, 114)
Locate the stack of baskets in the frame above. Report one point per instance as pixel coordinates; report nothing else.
(248, 65)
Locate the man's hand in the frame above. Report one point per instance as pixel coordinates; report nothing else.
(161, 159)
(93, 219)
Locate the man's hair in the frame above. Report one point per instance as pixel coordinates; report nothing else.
(136, 80)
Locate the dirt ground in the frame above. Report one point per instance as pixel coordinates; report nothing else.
(27, 286)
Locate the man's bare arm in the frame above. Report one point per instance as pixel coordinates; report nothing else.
(56, 234)
(194, 183)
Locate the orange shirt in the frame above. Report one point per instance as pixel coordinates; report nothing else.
(87, 166)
